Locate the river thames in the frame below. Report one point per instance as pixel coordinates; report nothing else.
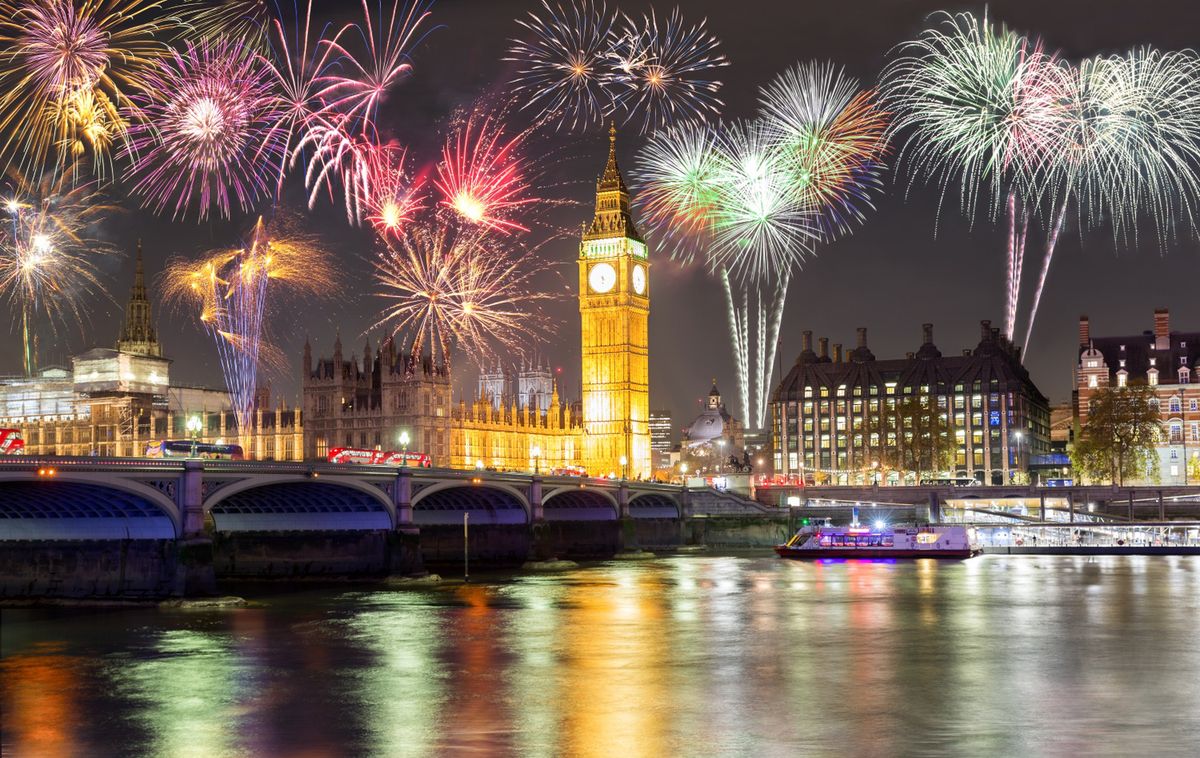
(685, 655)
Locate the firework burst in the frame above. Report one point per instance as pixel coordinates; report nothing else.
(679, 192)
(446, 289)
(213, 132)
(395, 194)
(484, 175)
(235, 291)
(990, 110)
(244, 20)
(832, 136)
(66, 73)
(48, 262)
(378, 60)
(564, 66)
(668, 71)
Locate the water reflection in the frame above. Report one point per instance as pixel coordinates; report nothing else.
(683, 655)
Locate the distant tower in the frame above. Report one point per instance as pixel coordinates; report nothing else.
(614, 309)
(138, 335)
(492, 386)
(534, 387)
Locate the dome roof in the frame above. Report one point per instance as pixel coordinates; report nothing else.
(708, 426)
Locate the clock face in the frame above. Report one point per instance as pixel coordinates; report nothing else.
(639, 279)
(602, 277)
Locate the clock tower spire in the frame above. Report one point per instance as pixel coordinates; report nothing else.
(614, 309)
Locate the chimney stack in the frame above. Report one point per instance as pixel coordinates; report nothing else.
(985, 330)
(862, 336)
(926, 334)
(1162, 329)
(806, 340)
(837, 353)
(1085, 331)
(824, 343)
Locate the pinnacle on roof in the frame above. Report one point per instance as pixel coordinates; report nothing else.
(611, 180)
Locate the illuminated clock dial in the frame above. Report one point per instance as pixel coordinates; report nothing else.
(639, 280)
(602, 277)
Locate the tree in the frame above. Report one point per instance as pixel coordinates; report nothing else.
(924, 437)
(1120, 436)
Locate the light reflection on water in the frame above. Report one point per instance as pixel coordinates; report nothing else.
(688, 655)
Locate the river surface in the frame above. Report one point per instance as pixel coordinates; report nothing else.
(685, 655)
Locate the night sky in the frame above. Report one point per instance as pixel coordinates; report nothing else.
(891, 275)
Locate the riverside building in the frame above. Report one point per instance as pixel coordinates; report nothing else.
(1168, 361)
(114, 402)
(840, 418)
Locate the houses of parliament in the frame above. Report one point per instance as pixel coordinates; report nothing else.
(519, 422)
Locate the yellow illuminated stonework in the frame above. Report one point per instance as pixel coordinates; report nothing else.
(614, 309)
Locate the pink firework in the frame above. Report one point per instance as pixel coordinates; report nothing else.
(394, 193)
(336, 156)
(212, 131)
(299, 61)
(382, 62)
(483, 176)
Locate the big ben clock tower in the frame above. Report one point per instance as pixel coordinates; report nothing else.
(614, 309)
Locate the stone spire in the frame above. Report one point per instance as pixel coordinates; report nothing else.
(138, 335)
(613, 217)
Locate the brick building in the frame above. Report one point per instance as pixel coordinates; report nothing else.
(1168, 361)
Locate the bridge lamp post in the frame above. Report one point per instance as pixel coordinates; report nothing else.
(624, 467)
(193, 426)
(479, 465)
(875, 473)
(537, 455)
(403, 449)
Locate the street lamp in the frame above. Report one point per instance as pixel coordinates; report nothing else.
(624, 467)
(1017, 435)
(683, 467)
(537, 454)
(194, 425)
(404, 448)
(875, 473)
(479, 465)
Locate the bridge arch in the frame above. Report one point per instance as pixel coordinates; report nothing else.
(654, 505)
(82, 508)
(579, 504)
(491, 503)
(288, 503)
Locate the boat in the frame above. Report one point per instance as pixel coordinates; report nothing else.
(880, 542)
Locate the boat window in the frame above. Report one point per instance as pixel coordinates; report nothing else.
(888, 540)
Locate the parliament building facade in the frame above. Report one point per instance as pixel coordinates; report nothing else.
(369, 404)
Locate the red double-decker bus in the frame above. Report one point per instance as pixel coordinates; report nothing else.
(11, 442)
(378, 457)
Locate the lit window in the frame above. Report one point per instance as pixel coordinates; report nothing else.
(1093, 381)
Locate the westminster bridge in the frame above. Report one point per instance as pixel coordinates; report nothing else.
(128, 526)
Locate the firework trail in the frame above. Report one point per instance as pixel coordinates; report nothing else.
(213, 132)
(991, 111)
(236, 291)
(47, 261)
(667, 71)
(448, 289)
(67, 72)
(484, 175)
(564, 65)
